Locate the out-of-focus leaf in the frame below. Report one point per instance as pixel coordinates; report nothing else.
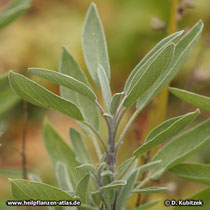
(195, 172)
(8, 99)
(4, 80)
(114, 185)
(167, 132)
(115, 102)
(65, 81)
(94, 44)
(59, 151)
(63, 177)
(149, 58)
(148, 205)
(26, 190)
(40, 96)
(144, 82)
(86, 168)
(82, 187)
(14, 11)
(180, 148)
(182, 52)
(126, 190)
(70, 67)
(105, 87)
(150, 190)
(79, 146)
(125, 164)
(202, 196)
(11, 173)
(197, 100)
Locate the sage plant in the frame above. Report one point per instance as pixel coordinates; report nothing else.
(105, 184)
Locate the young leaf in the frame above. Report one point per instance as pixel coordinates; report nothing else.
(150, 190)
(126, 190)
(70, 67)
(168, 132)
(195, 172)
(63, 177)
(106, 173)
(58, 150)
(105, 87)
(94, 44)
(180, 148)
(201, 196)
(182, 52)
(27, 190)
(197, 100)
(65, 81)
(79, 146)
(14, 11)
(114, 185)
(40, 96)
(115, 102)
(144, 82)
(82, 187)
(147, 205)
(87, 168)
(149, 58)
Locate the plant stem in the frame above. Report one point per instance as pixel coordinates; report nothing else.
(23, 150)
(160, 102)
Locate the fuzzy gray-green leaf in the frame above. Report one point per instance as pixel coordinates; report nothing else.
(79, 146)
(70, 67)
(197, 100)
(183, 50)
(40, 96)
(58, 150)
(115, 102)
(168, 132)
(180, 148)
(27, 190)
(145, 81)
(150, 190)
(64, 80)
(149, 58)
(94, 44)
(114, 185)
(105, 87)
(195, 172)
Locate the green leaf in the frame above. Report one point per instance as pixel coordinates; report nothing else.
(87, 168)
(147, 205)
(197, 100)
(4, 80)
(27, 190)
(70, 67)
(168, 130)
(8, 100)
(143, 82)
(148, 166)
(180, 148)
(94, 44)
(150, 190)
(125, 164)
(14, 11)
(82, 187)
(40, 96)
(63, 177)
(149, 58)
(202, 196)
(59, 151)
(79, 146)
(126, 190)
(105, 87)
(182, 52)
(64, 80)
(195, 172)
(107, 173)
(114, 185)
(11, 173)
(115, 102)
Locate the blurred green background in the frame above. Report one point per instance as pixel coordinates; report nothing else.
(35, 40)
